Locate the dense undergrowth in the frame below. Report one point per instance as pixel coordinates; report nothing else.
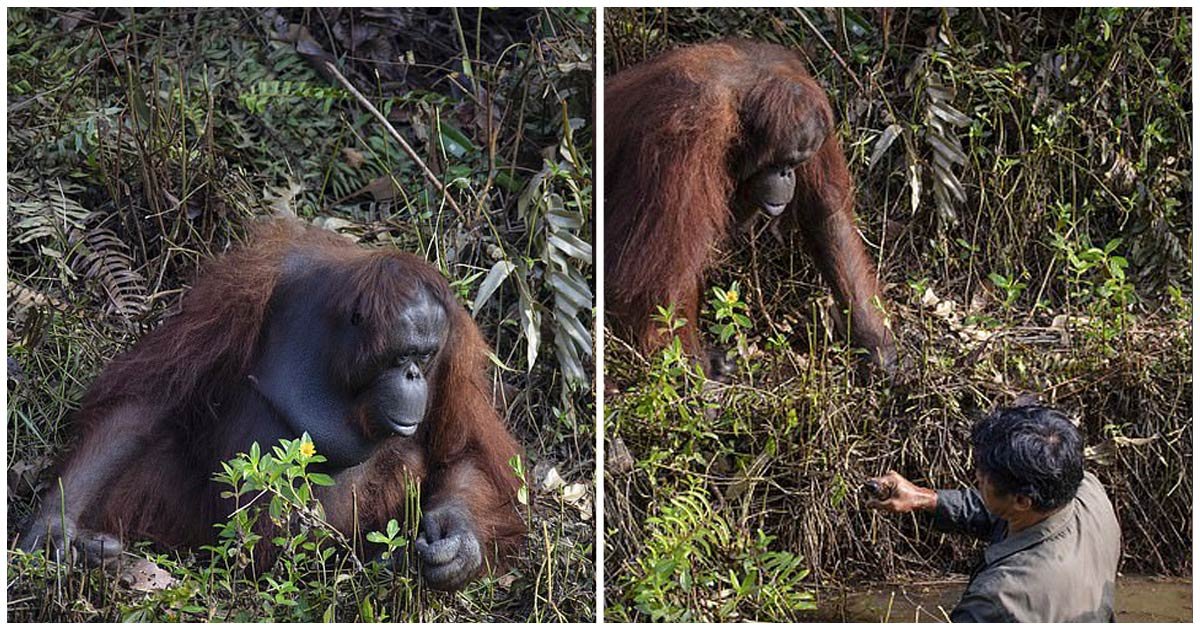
(1024, 179)
(142, 142)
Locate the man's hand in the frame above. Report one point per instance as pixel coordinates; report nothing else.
(902, 495)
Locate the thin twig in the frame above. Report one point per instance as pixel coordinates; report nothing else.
(853, 77)
(329, 67)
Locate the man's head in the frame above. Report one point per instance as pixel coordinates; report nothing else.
(1028, 459)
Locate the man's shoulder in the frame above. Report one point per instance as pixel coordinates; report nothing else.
(1095, 509)
(1090, 483)
(1091, 491)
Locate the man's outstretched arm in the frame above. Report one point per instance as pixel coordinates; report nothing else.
(956, 511)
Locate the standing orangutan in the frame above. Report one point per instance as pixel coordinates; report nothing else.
(706, 135)
(298, 331)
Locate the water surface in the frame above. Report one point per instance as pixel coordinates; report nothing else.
(1139, 599)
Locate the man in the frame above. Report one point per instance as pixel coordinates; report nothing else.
(1055, 541)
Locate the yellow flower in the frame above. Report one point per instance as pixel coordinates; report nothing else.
(307, 449)
(731, 297)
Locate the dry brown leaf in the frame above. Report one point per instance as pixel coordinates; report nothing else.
(142, 575)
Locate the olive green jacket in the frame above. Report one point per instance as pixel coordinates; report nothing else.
(1061, 569)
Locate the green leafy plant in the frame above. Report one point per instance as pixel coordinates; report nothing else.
(1011, 287)
(729, 311)
(1096, 277)
(273, 492)
(698, 567)
(391, 539)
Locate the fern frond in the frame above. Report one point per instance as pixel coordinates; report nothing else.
(941, 120)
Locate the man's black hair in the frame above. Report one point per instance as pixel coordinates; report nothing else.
(1030, 450)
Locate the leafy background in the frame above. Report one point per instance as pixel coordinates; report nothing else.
(1024, 180)
(142, 142)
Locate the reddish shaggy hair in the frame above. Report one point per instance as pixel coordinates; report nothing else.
(181, 376)
(681, 133)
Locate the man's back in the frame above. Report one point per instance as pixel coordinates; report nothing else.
(1061, 569)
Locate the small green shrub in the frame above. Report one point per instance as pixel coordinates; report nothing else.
(697, 563)
(314, 563)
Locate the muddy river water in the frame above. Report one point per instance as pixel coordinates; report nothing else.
(1145, 599)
